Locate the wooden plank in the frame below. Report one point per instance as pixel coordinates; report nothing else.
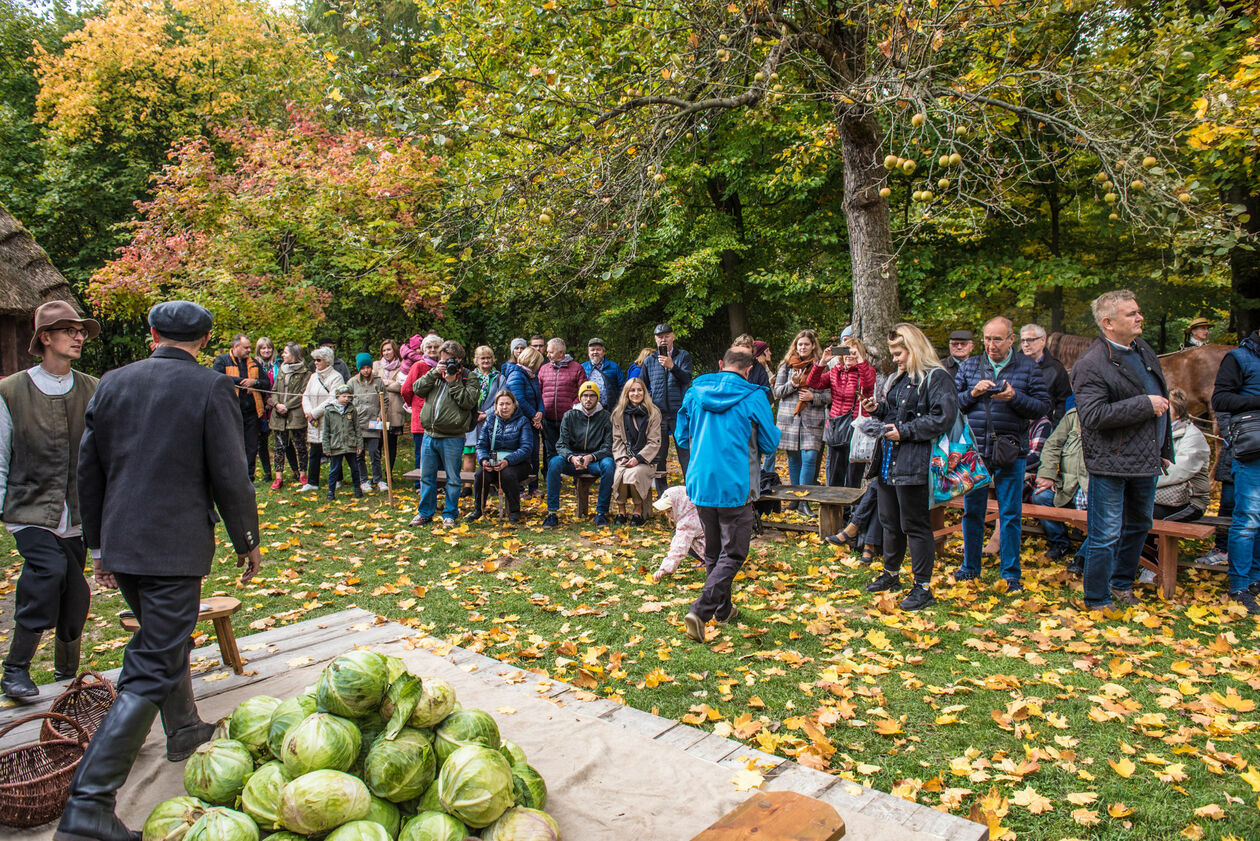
(782, 525)
(1189, 531)
(465, 476)
(777, 816)
(1166, 577)
(814, 493)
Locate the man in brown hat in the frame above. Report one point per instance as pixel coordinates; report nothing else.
(41, 423)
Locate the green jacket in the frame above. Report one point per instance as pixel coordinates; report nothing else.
(367, 403)
(341, 430)
(1063, 460)
(449, 408)
(582, 434)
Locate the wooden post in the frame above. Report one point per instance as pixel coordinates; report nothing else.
(389, 480)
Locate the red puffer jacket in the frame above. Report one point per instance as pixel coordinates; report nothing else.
(415, 401)
(559, 383)
(845, 383)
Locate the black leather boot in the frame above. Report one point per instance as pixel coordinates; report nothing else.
(185, 731)
(66, 658)
(89, 813)
(16, 682)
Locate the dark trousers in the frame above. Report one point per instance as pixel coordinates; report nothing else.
(662, 458)
(264, 438)
(903, 512)
(727, 533)
(51, 592)
(371, 453)
(166, 607)
(550, 435)
(250, 423)
(334, 470)
(865, 515)
(313, 462)
(509, 480)
(394, 435)
(417, 439)
(290, 443)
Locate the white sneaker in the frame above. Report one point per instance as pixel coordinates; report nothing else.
(448, 522)
(1214, 557)
(307, 488)
(1147, 577)
(381, 486)
(365, 487)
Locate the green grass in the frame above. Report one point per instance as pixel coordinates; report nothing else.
(816, 670)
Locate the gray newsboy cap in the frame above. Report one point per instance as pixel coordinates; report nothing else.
(182, 321)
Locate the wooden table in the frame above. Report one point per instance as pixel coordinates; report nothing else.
(219, 610)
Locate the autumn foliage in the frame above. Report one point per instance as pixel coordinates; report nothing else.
(271, 226)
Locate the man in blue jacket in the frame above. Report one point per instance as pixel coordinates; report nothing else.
(1000, 391)
(604, 373)
(726, 423)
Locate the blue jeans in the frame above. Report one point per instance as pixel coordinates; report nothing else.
(560, 466)
(1244, 569)
(1120, 512)
(1056, 532)
(802, 467)
(417, 438)
(445, 454)
(1008, 484)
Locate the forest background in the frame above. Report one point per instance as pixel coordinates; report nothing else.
(362, 169)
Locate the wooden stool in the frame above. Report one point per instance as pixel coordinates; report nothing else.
(219, 610)
(777, 816)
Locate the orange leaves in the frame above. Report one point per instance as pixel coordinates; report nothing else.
(655, 678)
(887, 727)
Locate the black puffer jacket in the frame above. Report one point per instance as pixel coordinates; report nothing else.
(1119, 430)
(990, 417)
(921, 412)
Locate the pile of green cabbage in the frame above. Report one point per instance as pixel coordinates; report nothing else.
(371, 753)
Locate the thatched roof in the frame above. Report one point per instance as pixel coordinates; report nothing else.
(27, 277)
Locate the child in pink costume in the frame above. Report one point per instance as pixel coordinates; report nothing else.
(688, 532)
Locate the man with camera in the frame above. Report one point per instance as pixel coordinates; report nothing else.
(450, 406)
(668, 377)
(1000, 391)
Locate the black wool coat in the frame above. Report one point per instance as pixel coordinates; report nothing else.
(1119, 430)
(162, 449)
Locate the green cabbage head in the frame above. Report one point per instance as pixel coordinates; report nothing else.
(250, 723)
(217, 771)
(475, 785)
(465, 727)
(288, 713)
(322, 800)
(320, 741)
(171, 819)
(437, 701)
(522, 824)
(221, 824)
(353, 685)
(433, 826)
(260, 798)
(401, 769)
(359, 831)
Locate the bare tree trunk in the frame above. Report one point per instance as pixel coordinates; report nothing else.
(875, 309)
(737, 318)
(1244, 269)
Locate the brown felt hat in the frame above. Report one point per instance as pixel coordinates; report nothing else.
(1199, 322)
(56, 314)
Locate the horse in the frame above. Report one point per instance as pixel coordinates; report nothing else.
(1192, 370)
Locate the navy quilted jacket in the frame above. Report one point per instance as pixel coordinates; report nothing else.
(990, 418)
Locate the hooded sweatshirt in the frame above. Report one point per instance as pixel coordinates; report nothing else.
(583, 432)
(726, 423)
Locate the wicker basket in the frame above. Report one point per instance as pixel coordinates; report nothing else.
(85, 701)
(35, 778)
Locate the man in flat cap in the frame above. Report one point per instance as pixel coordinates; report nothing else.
(604, 373)
(41, 422)
(150, 522)
(668, 376)
(961, 343)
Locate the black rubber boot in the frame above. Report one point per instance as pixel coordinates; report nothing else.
(66, 658)
(17, 683)
(89, 813)
(185, 731)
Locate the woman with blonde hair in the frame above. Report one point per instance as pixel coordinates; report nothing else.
(851, 381)
(636, 435)
(636, 370)
(521, 378)
(802, 411)
(920, 402)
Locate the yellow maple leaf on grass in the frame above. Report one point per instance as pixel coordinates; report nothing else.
(1085, 817)
(1030, 799)
(1124, 767)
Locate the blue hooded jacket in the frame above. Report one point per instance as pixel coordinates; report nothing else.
(525, 387)
(514, 435)
(726, 423)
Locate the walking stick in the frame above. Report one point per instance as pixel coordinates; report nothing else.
(389, 479)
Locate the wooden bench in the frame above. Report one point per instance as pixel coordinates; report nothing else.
(219, 610)
(833, 505)
(465, 477)
(1167, 533)
(583, 482)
